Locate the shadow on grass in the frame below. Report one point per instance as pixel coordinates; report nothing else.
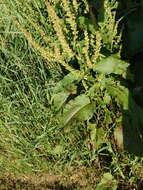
(11, 183)
(132, 51)
(125, 186)
(133, 128)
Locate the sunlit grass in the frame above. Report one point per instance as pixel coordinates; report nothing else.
(31, 138)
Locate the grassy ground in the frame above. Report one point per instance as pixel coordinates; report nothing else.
(35, 151)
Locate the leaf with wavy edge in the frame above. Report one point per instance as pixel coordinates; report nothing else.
(63, 89)
(111, 64)
(66, 83)
(80, 109)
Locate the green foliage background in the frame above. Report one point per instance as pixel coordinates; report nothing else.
(65, 87)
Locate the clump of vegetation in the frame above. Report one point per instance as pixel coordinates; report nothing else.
(65, 88)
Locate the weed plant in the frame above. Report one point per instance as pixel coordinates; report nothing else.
(62, 92)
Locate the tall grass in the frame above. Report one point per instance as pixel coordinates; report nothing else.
(30, 140)
(25, 116)
(38, 40)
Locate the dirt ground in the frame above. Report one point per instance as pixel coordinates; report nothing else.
(73, 179)
(77, 179)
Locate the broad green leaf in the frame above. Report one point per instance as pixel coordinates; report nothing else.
(59, 99)
(63, 89)
(80, 108)
(66, 83)
(85, 113)
(107, 183)
(120, 93)
(110, 65)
